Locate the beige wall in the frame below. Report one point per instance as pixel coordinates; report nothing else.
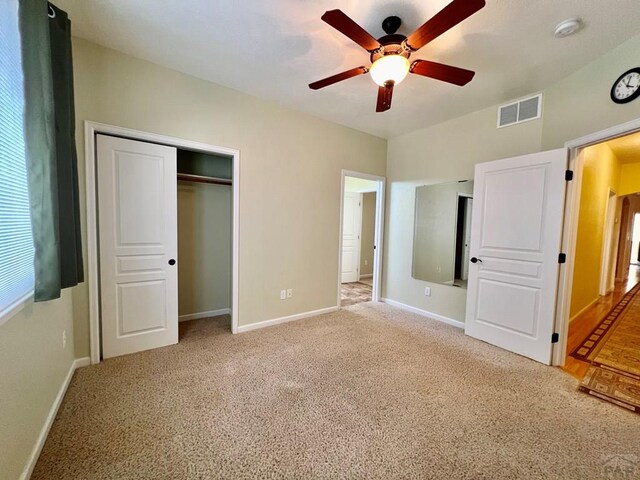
(368, 231)
(290, 165)
(580, 103)
(33, 366)
(573, 107)
(204, 247)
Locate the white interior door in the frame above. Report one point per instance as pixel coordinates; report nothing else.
(515, 241)
(351, 226)
(138, 245)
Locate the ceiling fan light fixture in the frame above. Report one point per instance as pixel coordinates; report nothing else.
(389, 69)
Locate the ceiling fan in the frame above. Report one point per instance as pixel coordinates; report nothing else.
(390, 53)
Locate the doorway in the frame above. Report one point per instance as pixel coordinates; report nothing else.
(604, 300)
(359, 259)
(92, 130)
(635, 241)
(463, 239)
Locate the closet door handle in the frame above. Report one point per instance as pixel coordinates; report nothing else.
(475, 260)
(172, 262)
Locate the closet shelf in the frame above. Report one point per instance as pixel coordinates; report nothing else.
(188, 177)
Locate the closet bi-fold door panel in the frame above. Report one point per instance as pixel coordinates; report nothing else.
(137, 218)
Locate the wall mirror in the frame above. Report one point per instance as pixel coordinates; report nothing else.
(442, 232)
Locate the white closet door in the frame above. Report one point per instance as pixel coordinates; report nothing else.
(138, 245)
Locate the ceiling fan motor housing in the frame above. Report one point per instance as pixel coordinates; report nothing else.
(391, 44)
(391, 24)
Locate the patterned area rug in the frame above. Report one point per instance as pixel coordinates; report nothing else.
(613, 349)
(616, 387)
(353, 293)
(588, 349)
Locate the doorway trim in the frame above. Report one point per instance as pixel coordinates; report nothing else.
(377, 236)
(91, 129)
(607, 243)
(570, 228)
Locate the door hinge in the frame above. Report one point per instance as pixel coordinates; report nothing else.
(562, 258)
(555, 337)
(568, 175)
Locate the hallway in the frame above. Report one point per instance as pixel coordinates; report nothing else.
(582, 326)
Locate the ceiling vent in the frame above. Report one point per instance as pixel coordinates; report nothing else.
(521, 111)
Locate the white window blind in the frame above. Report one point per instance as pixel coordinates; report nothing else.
(16, 243)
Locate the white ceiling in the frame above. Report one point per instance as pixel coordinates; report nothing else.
(274, 49)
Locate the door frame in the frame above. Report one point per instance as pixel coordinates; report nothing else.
(377, 236)
(91, 129)
(570, 228)
(607, 242)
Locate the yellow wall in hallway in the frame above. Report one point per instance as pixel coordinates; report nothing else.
(629, 179)
(601, 172)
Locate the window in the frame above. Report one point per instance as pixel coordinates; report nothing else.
(16, 243)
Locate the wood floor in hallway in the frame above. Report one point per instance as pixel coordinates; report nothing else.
(584, 323)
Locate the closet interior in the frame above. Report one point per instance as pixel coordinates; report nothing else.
(205, 215)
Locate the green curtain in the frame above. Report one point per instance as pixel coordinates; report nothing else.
(50, 146)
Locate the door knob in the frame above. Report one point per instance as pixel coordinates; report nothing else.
(475, 260)
(172, 262)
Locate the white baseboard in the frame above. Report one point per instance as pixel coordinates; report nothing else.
(82, 362)
(53, 411)
(424, 313)
(290, 318)
(210, 313)
(589, 305)
(368, 275)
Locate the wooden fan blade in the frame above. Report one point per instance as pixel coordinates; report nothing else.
(448, 17)
(439, 71)
(341, 22)
(384, 98)
(325, 82)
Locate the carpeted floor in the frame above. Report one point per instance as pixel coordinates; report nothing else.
(354, 292)
(366, 392)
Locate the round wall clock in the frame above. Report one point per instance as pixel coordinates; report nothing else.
(627, 87)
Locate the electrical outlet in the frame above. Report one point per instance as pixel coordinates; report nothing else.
(427, 291)
(64, 339)
(283, 294)
(366, 262)
(289, 293)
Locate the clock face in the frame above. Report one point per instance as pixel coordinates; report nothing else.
(627, 87)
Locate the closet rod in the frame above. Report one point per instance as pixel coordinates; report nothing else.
(188, 177)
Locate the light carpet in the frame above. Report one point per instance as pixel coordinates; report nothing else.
(367, 392)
